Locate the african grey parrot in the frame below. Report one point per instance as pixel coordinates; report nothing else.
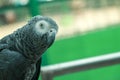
(20, 52)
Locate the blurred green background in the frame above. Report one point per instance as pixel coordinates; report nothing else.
(87, 28)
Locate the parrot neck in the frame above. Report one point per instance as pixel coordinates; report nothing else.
(29, 45)
(30, 51)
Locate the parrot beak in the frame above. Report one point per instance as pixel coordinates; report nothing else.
(51, 36)
(52, 32)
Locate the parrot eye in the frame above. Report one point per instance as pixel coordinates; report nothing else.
(41, 25)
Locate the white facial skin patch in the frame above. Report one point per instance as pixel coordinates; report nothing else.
(42, 27)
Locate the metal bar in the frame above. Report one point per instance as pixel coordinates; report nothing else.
(51, 71)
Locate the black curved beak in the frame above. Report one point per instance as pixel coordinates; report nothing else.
(51, 36)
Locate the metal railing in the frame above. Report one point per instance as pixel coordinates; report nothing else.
(49, 72)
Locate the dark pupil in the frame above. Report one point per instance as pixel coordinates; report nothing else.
(41, 26)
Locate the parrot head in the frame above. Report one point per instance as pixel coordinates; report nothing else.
(35, 37)
(42, 32)
(44, 28)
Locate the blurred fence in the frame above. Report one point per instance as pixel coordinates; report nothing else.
(75, 16)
